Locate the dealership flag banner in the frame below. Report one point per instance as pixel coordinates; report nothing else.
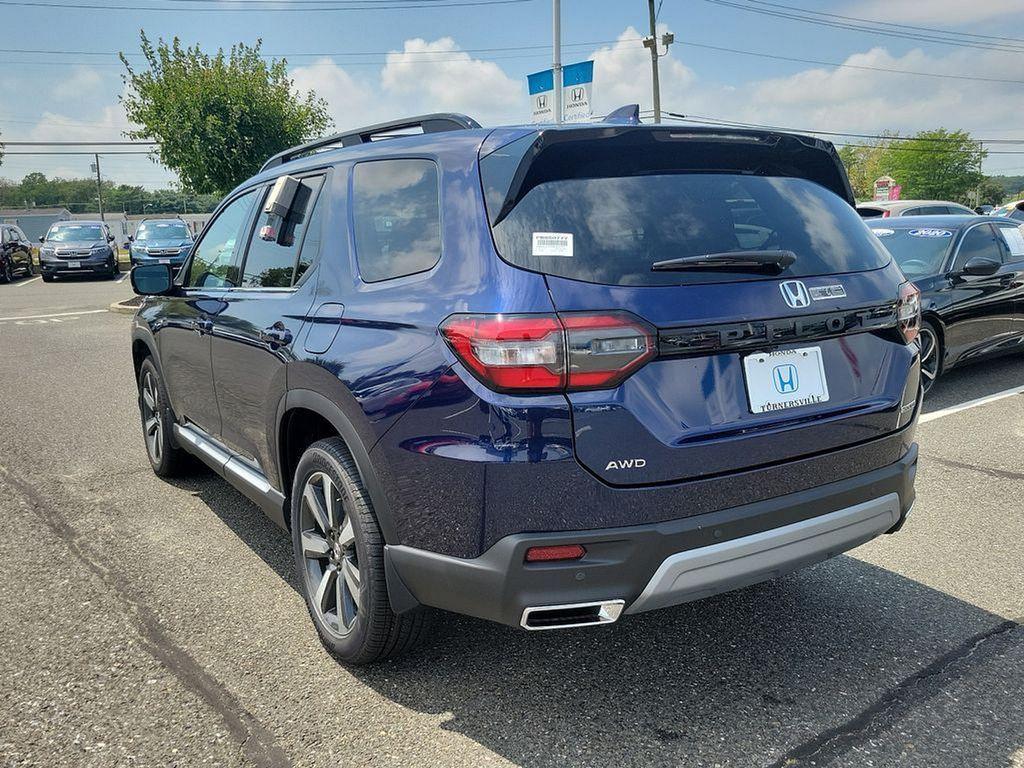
(577, 81)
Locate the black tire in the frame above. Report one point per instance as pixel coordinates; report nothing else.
(7, 272)
(47, 278)
(115, 269)
(931, 354)
(363, 628)
(28, 268)
(167, 460)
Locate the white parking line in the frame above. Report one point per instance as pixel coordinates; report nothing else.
(55, 314)
(971, 404)
(37, 277)
(121, 279)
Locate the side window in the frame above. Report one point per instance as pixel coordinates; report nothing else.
(274, 248)
(314, 236)
(1013, 239)
(397, 218)
(977, 242)
(913, 212)
(4, 235)
(18, 234)
(214, 262)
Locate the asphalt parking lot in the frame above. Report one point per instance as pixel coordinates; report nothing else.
(151, 624)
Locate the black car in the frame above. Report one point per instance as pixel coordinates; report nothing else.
(15, 253)
(78, 248)
(970, 271)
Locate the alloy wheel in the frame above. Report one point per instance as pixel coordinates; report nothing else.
(929, 357)
(329, 549)
(152, 420)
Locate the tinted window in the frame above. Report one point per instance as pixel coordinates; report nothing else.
(314, 235)
(932, 210)
(870, 213)
(913, 212)
(1013, 239)
(611, 230)
(214, 263)
(274, 249)
(979, 241)
(919, 252)
(397, 218)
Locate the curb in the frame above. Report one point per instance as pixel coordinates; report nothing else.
(117, 306)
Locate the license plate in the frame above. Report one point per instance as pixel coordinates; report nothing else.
(785, 379)
(74, 264)
(165, 261)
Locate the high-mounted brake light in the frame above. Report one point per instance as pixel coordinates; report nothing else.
(550, 353)
(908, 311)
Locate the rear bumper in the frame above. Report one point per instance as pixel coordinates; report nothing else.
(658, 564)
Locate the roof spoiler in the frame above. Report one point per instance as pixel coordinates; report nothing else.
(434, 123)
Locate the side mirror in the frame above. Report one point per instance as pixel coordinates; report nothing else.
(110, 238)
(979, 266)
(42, 238)
(152, 279)
(131, 239)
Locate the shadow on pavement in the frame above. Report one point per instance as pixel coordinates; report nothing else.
(802, 671)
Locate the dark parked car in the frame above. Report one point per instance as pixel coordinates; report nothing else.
(15, 253)
(971, 274)
(78, 248)
(160, 241)
(545, 376)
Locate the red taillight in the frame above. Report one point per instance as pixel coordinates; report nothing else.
(559, 552)
(908, 311)
(550, 353)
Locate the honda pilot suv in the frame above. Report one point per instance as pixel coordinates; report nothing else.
(161, 241)
(547, 376)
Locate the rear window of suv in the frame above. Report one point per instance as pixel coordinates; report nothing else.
(611, 229)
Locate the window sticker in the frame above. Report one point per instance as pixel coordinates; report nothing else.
(884, 232)
(552, 244)
(1014, 240)
(930, 233)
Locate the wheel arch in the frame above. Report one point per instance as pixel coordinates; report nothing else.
(317, 412)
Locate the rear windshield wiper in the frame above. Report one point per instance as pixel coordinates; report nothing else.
(738, 260)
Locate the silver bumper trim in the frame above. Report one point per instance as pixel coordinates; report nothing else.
(706, 571)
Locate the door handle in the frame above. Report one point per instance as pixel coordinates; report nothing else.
(202, 326)
(276, 336)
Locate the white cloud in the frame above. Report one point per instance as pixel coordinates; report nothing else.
(350, 102)
(935, 12)
(438, 77)
(81, 82)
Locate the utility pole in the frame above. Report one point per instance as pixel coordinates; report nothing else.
(99, 186)
(652, 43)
(556, 49)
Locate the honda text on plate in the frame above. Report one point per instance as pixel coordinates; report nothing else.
(546, 376)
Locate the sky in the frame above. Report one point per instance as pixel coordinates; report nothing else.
(372, 65)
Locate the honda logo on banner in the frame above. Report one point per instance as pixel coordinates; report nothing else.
(577, 80)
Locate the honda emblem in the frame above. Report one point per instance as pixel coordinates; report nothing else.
(795, 294)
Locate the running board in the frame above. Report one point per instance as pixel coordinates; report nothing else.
(246, 478)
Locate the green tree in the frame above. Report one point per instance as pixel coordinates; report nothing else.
(865, 163)
(990, 192)
(938, 164)
(217, 118)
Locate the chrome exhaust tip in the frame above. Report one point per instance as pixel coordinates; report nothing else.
(572, 615)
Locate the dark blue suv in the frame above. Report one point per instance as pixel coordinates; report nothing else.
(545, 376)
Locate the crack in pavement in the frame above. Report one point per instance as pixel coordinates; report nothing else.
(256, 742)
(1003, 474)
(893, 704)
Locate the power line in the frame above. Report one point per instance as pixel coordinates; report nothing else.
(242, 7)
(874, 28)
(936, 30)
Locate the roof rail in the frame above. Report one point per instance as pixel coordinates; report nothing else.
(435, 123)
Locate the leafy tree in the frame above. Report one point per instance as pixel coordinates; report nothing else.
(939, 164)
(217, 118)
(865, 163)
(990, 192)
(79, 196)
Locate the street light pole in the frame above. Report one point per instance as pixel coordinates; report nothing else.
(99, 186)
(652, 43)
(556, 64)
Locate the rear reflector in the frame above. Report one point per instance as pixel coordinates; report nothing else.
(559, 552)
(550, 353)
